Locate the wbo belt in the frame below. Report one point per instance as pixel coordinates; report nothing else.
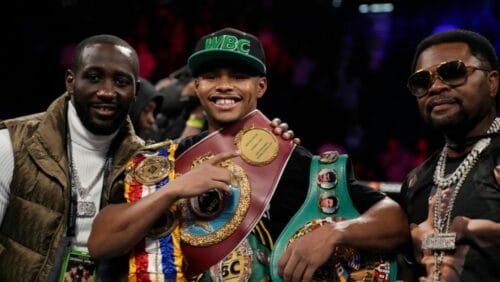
(157, 257)
(327, 202)
(213, 224)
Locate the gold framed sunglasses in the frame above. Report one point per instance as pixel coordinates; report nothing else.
(452, 73)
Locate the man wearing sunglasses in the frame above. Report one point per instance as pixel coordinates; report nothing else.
(453, 199)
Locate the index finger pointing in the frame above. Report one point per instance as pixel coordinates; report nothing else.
(220, 157)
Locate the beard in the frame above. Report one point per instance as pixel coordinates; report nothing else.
(103, 127)
(445, 124)
(454, 126)
(99, 125)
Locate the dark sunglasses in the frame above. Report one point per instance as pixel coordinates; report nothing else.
(452, 73)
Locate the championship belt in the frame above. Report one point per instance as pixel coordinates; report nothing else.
(214, 224)
(157, 257)
(248, 262)
(328, 201)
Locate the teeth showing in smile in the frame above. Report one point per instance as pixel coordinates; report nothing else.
(105, 109)
(224, 101)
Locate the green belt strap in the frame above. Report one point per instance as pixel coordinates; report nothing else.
(311, 211)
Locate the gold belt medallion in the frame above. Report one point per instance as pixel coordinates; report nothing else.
(258, 146)
(153, 169)
(236, 267)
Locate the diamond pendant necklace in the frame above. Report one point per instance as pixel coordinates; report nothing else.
(84, 191)
(85, 208)
(442, 239)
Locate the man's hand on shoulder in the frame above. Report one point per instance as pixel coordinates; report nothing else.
(281, 128)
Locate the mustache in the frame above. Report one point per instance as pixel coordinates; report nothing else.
(440, 99)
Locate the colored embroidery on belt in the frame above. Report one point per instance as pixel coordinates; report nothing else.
(158, 256)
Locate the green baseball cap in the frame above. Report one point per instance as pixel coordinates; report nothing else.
(231, 45)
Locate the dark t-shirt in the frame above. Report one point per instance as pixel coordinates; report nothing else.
(292, 190)
(479, 198)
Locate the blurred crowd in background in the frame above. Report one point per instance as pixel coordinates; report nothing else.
(337, 69)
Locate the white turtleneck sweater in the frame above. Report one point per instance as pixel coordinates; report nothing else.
(89, 155)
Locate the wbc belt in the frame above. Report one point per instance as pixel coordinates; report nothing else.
(327, 202)
(213, 224)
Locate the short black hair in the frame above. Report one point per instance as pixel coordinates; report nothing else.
(103, 39)
(479, 45)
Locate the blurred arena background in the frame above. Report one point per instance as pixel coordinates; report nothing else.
(337, 68)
